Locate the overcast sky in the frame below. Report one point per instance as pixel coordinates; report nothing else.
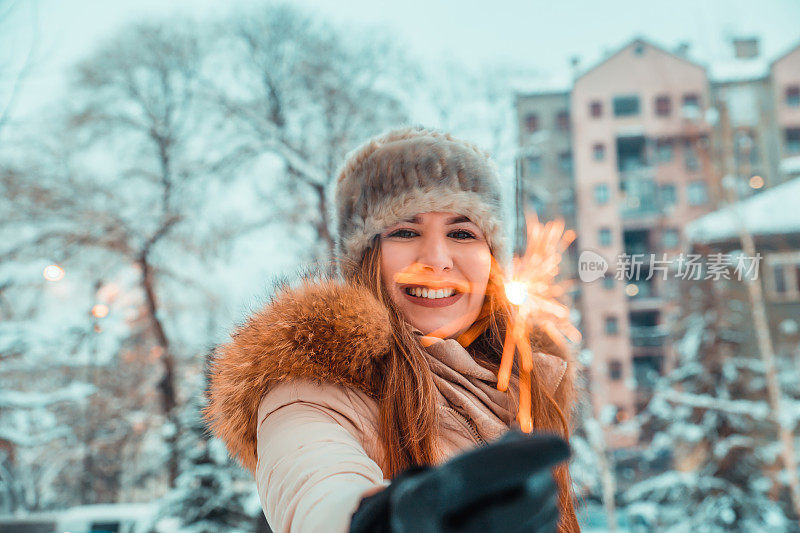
(540, 35)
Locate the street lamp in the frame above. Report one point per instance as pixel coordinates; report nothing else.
(53, 273)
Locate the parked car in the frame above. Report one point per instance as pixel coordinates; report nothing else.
(103, 518)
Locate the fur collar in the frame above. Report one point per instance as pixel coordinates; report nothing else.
(323, 329)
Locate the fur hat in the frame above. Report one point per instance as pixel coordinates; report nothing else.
(409, 171)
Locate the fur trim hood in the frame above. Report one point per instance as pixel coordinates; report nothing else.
(323, 329)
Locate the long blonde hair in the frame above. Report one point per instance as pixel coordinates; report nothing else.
(408, 423)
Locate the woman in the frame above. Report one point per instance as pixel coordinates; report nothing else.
(344, 383)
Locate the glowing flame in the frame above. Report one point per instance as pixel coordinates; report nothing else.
(100, 311)
(533, 289)
(516, 292)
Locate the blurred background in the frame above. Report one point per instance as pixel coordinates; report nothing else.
(163, 163)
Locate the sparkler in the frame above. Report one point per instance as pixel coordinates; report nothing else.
(534, 293)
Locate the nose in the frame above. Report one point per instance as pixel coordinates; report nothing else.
(435, 254)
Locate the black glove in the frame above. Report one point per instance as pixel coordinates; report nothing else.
(504, 486)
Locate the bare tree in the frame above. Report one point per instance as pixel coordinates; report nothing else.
(120, 183)
(134, 99)
(141, 90)
(13, 76)
(307, 94)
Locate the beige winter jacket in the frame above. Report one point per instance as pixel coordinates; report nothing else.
(293, 396)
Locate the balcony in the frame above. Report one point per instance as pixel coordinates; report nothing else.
(647, 370)
(643, 294)
(648, 335)
(639, 193)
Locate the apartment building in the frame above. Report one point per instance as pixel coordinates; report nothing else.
(544, 159)
(641, 141)
(785, 81)
(545, 155)
(757, 104)
(773, 222)
(745, 140)
(650, 133)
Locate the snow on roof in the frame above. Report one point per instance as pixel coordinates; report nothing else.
(772, 212)
(110, 510)
(791, 165)
(553, 82)
(738, 70)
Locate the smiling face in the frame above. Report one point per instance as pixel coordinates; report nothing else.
(435, 267)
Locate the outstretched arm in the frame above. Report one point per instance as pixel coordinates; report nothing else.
(312, 470)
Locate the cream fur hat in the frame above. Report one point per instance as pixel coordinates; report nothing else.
(409, 171)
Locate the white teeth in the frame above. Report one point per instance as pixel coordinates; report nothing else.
(432, 294)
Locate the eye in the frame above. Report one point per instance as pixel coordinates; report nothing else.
(462, 234)
(403, 233)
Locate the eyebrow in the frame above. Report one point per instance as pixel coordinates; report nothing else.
(455, 220)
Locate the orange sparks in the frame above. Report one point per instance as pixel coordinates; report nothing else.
(524, 416)
(533, 291)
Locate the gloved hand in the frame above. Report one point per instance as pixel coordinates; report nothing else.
(504, 486)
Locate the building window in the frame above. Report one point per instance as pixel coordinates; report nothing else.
(562, 120)
(604, 236)
(690, 157)
(534, 165)
(663, 106)
(626, 106)
(602, 194)
(691, 106)
(611, 325)
(793, 140)
(565, 163)
(670, 238)
(596, 109)
(664, 150)
(531, 122)
(793, 96)
(691, 161)
(796, 269)
(615, 370)
(697, 193)
(608, 282)
(782, 271)
(779, 275)
(599, 151)
(668, 194)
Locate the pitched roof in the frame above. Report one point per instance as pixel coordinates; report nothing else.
(635, 41)
(791, 49)
(772, 212)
